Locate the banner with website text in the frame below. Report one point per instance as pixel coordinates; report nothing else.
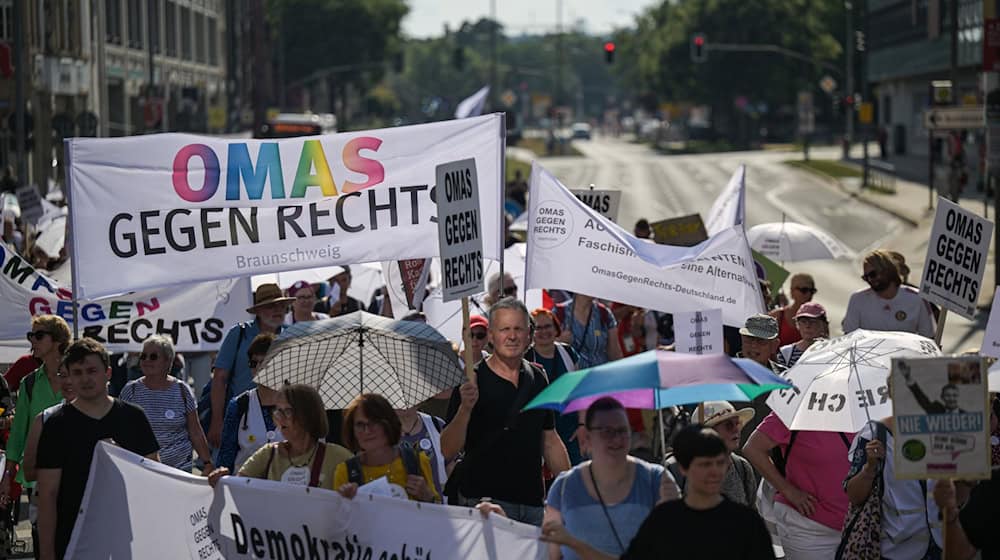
(572, 247)
(152, 510)
(195, 316)
(166, 209)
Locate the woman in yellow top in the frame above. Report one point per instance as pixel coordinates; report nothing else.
(372, 429)
(302, 459)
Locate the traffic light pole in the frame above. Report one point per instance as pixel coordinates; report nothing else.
(20, 68)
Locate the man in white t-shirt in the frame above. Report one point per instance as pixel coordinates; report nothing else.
(887, 304)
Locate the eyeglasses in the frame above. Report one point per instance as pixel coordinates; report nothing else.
(869, 276)
(608, 433)
(510, 291)
(285, 413)
(151, 357)
(806, 290)
(547, 327)
(478, 335)
(365, 426)
(37, 335)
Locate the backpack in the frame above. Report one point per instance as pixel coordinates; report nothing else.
(205, 400)
(781, 460)
(411, 462)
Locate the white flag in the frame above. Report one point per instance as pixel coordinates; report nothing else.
(472, 106)
(572, 247)
(730, 209)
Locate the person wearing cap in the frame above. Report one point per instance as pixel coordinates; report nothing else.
(802, 291)
(740, 484)
(231, 373)
(887, 304)
(812, 324)
(759, 342)
(806, 471)
(305, 300)
(479, 327)
(339, 303)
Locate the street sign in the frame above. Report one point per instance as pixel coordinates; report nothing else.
(807, 114)
(866, 113)
(604, 202)
(460, 235)
(828, 84)
(955, 118)
(956, 259)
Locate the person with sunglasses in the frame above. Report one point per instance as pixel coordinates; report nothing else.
(49, 338)
(169, 405)
(478, 329)
(304, 458)
(887, 304)
(249, 420)
(803, 290)
(604, 501)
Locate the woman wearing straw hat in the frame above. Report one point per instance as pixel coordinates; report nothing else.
(231, 374)
(740, 484)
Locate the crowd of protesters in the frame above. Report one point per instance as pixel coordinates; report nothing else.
(733, 486)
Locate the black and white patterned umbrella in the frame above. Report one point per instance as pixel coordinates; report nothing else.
(405, 361)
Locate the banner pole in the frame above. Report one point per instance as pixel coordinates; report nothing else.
(701, 413)
(940, 326)
(74, 263)
(467, 342)
(503, 199)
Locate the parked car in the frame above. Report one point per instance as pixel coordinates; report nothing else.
(581, 131)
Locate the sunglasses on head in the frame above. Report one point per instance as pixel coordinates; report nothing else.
(37, 335)
(806, 289)
(151, 357)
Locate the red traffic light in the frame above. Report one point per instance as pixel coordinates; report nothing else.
(699, 40)
(609, 47)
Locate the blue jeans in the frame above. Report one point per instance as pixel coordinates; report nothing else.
(532, 515)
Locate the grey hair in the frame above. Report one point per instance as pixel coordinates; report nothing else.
(494, 284)
(512, 304)
(165, 344)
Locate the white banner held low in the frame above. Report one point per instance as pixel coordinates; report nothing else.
(572, 247)
(156, 511)
(460, 233)
(698, 332)
(605, 202)
(196, 316)
(941, 407)
(167, 209)
(956, 258)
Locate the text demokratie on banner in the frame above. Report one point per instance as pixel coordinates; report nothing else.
(175, 208)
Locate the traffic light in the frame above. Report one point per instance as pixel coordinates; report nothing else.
(698, 51)
(609, 52)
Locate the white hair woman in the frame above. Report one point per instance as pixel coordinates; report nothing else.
(169, 404)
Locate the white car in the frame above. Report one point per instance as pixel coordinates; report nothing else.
(581, 131)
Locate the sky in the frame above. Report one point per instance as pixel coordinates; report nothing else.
(427, 17)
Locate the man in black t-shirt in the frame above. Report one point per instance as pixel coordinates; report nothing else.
(504, 447)
(69, 437)
(704, 524)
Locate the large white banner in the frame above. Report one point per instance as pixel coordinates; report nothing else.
(196, 316)
(166, 209)
(572, 247)
(135, 508)
(730, 208)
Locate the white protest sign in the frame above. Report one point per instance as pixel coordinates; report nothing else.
(698, 332)
(991, 340)
(572, 247)
(460, 233)
(196, 316)
(605, 202)
(30, 202)
(157, 511)
(956, 259)
(166, 209)
(729, 209)
(941, 409)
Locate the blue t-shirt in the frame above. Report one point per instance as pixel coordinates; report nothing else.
(232, 357)
(590, 340)
(584, 518)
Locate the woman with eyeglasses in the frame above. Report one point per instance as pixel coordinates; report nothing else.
(557, 358)
(373, 430)
(802, 291)
(303, 459)
(604, 501)
(813, 325)
(302, 307)
(169, 404)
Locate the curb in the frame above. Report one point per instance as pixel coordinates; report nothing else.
(833, 181)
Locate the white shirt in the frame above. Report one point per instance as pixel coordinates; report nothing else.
(906, 312)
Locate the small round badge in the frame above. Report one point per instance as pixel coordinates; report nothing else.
(901, 315)
(425, 444)
(169, 414)
(251, 438)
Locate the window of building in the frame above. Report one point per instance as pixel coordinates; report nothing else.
(170, 28)
(7, 20)
(199, 37)
(155, 17)
(185, 17)
(135, 21)
(113, 22)
(213, 41)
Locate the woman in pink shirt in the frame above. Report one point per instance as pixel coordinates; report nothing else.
(810, 504)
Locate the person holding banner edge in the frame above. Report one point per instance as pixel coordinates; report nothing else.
(231, 374)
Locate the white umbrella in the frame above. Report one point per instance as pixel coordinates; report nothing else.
(841, 383)
(791, 242)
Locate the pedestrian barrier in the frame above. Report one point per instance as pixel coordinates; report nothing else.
(881, 176)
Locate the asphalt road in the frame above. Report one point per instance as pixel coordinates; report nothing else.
(657, 187)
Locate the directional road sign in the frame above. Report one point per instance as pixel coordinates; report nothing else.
(955, 118)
